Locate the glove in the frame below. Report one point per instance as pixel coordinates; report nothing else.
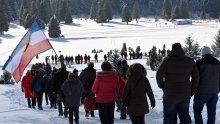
(22, 90)
(153, 104)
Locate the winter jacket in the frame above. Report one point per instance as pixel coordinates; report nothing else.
(87, 77)
(59, 79)
(136, 89)
(37, 85)
(173, 76)
(26, 85)
(71, 90)
(105, 86)
(209, 74)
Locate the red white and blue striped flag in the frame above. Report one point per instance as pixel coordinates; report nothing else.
(33, 43)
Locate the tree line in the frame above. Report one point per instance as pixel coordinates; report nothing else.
(26, 11)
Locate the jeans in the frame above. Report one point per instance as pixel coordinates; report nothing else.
(106, 112)
(170, 108)
(199, 101)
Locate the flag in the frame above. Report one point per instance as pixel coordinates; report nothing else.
(33, 43)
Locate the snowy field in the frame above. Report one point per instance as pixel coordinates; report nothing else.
(80, 38)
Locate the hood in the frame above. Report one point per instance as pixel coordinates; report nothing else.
(105, 73)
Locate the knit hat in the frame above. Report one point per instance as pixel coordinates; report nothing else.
(176, 46)
(205, 50)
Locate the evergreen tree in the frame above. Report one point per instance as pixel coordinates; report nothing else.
(215, 9)
(4, 24)
(45, 11)
(184, 9)
(68, 18)
(13, 7)
(136, 11)
(191, 47)
(93, 10)
(166, 9)
(62, 9)
(54, 28)
(28, 21)
(101, 17)
(216, 44)
(22, 20)
(33, 9)
(176, 13)
(124, 48)
(107, 10)
(126, 15)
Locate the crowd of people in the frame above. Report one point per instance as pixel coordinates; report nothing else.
(127, 88)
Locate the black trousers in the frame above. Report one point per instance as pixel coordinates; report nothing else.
(31, 102)
(39, 99)
(106, 112)
(74, 110)
(137, 119)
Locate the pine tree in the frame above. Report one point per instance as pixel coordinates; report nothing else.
(126, 15)
(68, 18)
(101, 17)
(107, 10)
(184, 9)
(176, 13)
(136, 11)
(93, 10)
(28, 21)
(166, 9)
(54, 28)
(215, 9)
(124, 48)
(45, 11)
(4, 24)
(191, 47)
(22, 20)
(34, 10)
(216, 44)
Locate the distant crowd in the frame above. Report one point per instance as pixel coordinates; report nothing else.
(127, 87)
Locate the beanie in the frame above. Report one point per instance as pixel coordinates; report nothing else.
(205, 50)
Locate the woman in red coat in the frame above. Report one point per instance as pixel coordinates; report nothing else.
(26, 84)
(105, 87)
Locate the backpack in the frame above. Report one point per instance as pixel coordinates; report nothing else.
(37, 85)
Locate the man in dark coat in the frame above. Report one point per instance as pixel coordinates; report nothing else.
(208, 89)
(178, 77)
(71, 90)
(87, 77)
(59, 79)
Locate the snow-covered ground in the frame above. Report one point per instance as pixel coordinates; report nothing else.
(80, 38)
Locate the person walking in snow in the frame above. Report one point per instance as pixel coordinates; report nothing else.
(208, 88)
(71, 90)
(59, 78)
(178, 77)
(105, 87)
(38, 88)
(26, 84)
(122, 81)
(135, 91)
(87, 77)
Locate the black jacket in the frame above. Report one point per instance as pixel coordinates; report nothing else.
(209, 74)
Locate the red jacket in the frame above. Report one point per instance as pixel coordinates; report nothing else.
(105, 86)
(122, 86)
(26, 84)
